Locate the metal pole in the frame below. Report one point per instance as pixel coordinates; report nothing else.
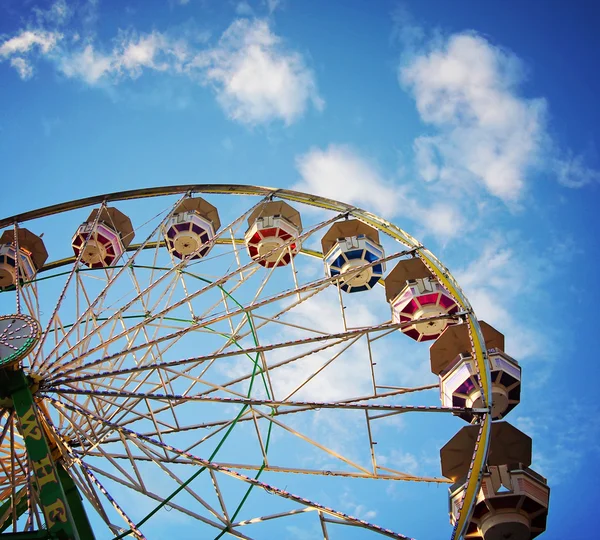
(54, 502)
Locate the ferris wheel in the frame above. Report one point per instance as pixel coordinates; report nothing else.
(236, 356)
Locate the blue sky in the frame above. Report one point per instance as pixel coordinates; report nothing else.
(471, 125)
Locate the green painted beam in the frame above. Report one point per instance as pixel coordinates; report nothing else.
(59, 520)
(75, 502)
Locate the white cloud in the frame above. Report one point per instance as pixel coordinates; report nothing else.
(358, 510)
(486, 132)
(57, 14)
(426, 159)
(341, 173)
(573, 173)
(560, 436)
(255, 76)
(88, 65)
(467, 89)
(28, 39)
(401, 461)
(272, 5)
(131, 54)
(21, 47)
(23, 68)
(494, 283)
(443, 220)
(243, 8)
(140, 53)
(256, 79)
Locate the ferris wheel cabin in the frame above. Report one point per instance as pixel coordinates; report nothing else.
(452, 360)
(190, 231)
(32, 256)
(513, 499)
(107, 235)
(273, 232)
(414, 293)
(348, 248)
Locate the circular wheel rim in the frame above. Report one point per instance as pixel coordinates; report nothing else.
(432, 263)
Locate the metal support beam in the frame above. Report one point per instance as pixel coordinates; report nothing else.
(54, 501)
(75, 503)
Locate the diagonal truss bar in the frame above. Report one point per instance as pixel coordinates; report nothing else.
(257, 483)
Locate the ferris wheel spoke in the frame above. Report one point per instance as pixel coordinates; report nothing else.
(313, 442)
(328, 362)
(254, 402)
(273, 367)
(390, 474)
(284, 494)
(212, 321)
(129, 414)
(62, 295)
(89, 490)
(157, 460)
(102, 294)
(183, 485)
(263, 362)
(260, 519)
(159, 499)
(113, 502)
(287, 324)
(219, 494)
(72, 377)
(249, 316)
(79, 419)
(8, 417)
(170, 272)
(51, 368)
(130, 332)
(126, 407)
(75, 458)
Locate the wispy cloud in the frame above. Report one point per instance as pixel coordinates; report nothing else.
(21, 49)
(272, 5)
(468, 90)
(495, 282)
(342, 172)
(57, 14)
(88, 65)
(571, 171)
(255, 77)
(132, 53)
(27, 40)
(24, 70)
(561, 437)
(484, 131)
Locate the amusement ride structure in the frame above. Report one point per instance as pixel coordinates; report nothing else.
(198, 347)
